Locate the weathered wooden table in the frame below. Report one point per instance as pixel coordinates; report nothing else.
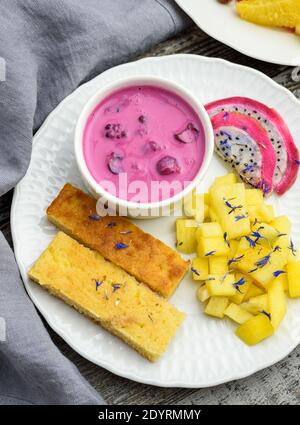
(276, 385)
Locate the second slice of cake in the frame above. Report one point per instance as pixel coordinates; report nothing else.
(107, 294)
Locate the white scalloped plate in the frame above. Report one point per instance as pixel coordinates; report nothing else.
(222, 23)
(205, 351)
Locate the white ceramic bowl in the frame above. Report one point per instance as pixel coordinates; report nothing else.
(134, 209)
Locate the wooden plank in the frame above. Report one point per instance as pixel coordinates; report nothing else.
(276, 385)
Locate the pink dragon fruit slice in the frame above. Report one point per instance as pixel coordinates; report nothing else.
(244, 144)
(287, 155)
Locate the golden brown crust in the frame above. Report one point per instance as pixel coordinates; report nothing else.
(108, 295)
(148, 259)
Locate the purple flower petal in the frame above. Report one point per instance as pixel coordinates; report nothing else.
(121, 245)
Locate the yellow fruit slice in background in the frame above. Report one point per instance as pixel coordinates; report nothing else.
(277, 13)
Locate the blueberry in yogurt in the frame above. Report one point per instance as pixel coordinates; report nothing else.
(114, 131)
(167, 165)
(114, 163)
(188, 135)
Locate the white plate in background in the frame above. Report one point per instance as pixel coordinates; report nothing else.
(221, 22)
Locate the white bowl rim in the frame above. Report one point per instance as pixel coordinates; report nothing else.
(137, 80)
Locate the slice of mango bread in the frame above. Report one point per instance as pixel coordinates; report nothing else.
(107, 294)
(118, 240)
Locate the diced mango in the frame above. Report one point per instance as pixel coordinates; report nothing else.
(253, 291)
(253, 214)
(218, 265)
(277, 302)
(254, 197)
(213, 215)
(229, 202)
(245, 257)
(282, 224)
(257, 304)
(200, 268)
(243, 246)
(261, 263)
(233, 247)
(262, 212)
(186, 235)
(293, 275)
(268, 233)
(203, 294)
(255, 329)
(206, 212)
(209, 230)
(268, 237)
(243, 289)
(283, 280)
(237, 314)
(220, 286)
(208, 247)
(288, 249)
(267, 213)
(216, 306)
(229, 178)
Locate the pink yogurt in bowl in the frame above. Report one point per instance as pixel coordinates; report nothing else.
(142, 144)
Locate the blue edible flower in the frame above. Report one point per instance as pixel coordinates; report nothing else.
(292, 248)
(265, 187)
(240, 217)
(249, 167)
(121, 245)
(115, 286)
(210, 253)
(266, 314)
(195, 271)
(111, 224)
(226, 132)
(98, 283)
(235, 260)
(252, 243)
(232, 207)
(257, 235)
(225, 144)
(95, 217)
(278, 273)
(226, 240)
(239, 283)
(262, 262)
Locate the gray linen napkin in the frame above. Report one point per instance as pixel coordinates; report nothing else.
(51, 47)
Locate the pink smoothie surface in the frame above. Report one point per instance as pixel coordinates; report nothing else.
(143, 144)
